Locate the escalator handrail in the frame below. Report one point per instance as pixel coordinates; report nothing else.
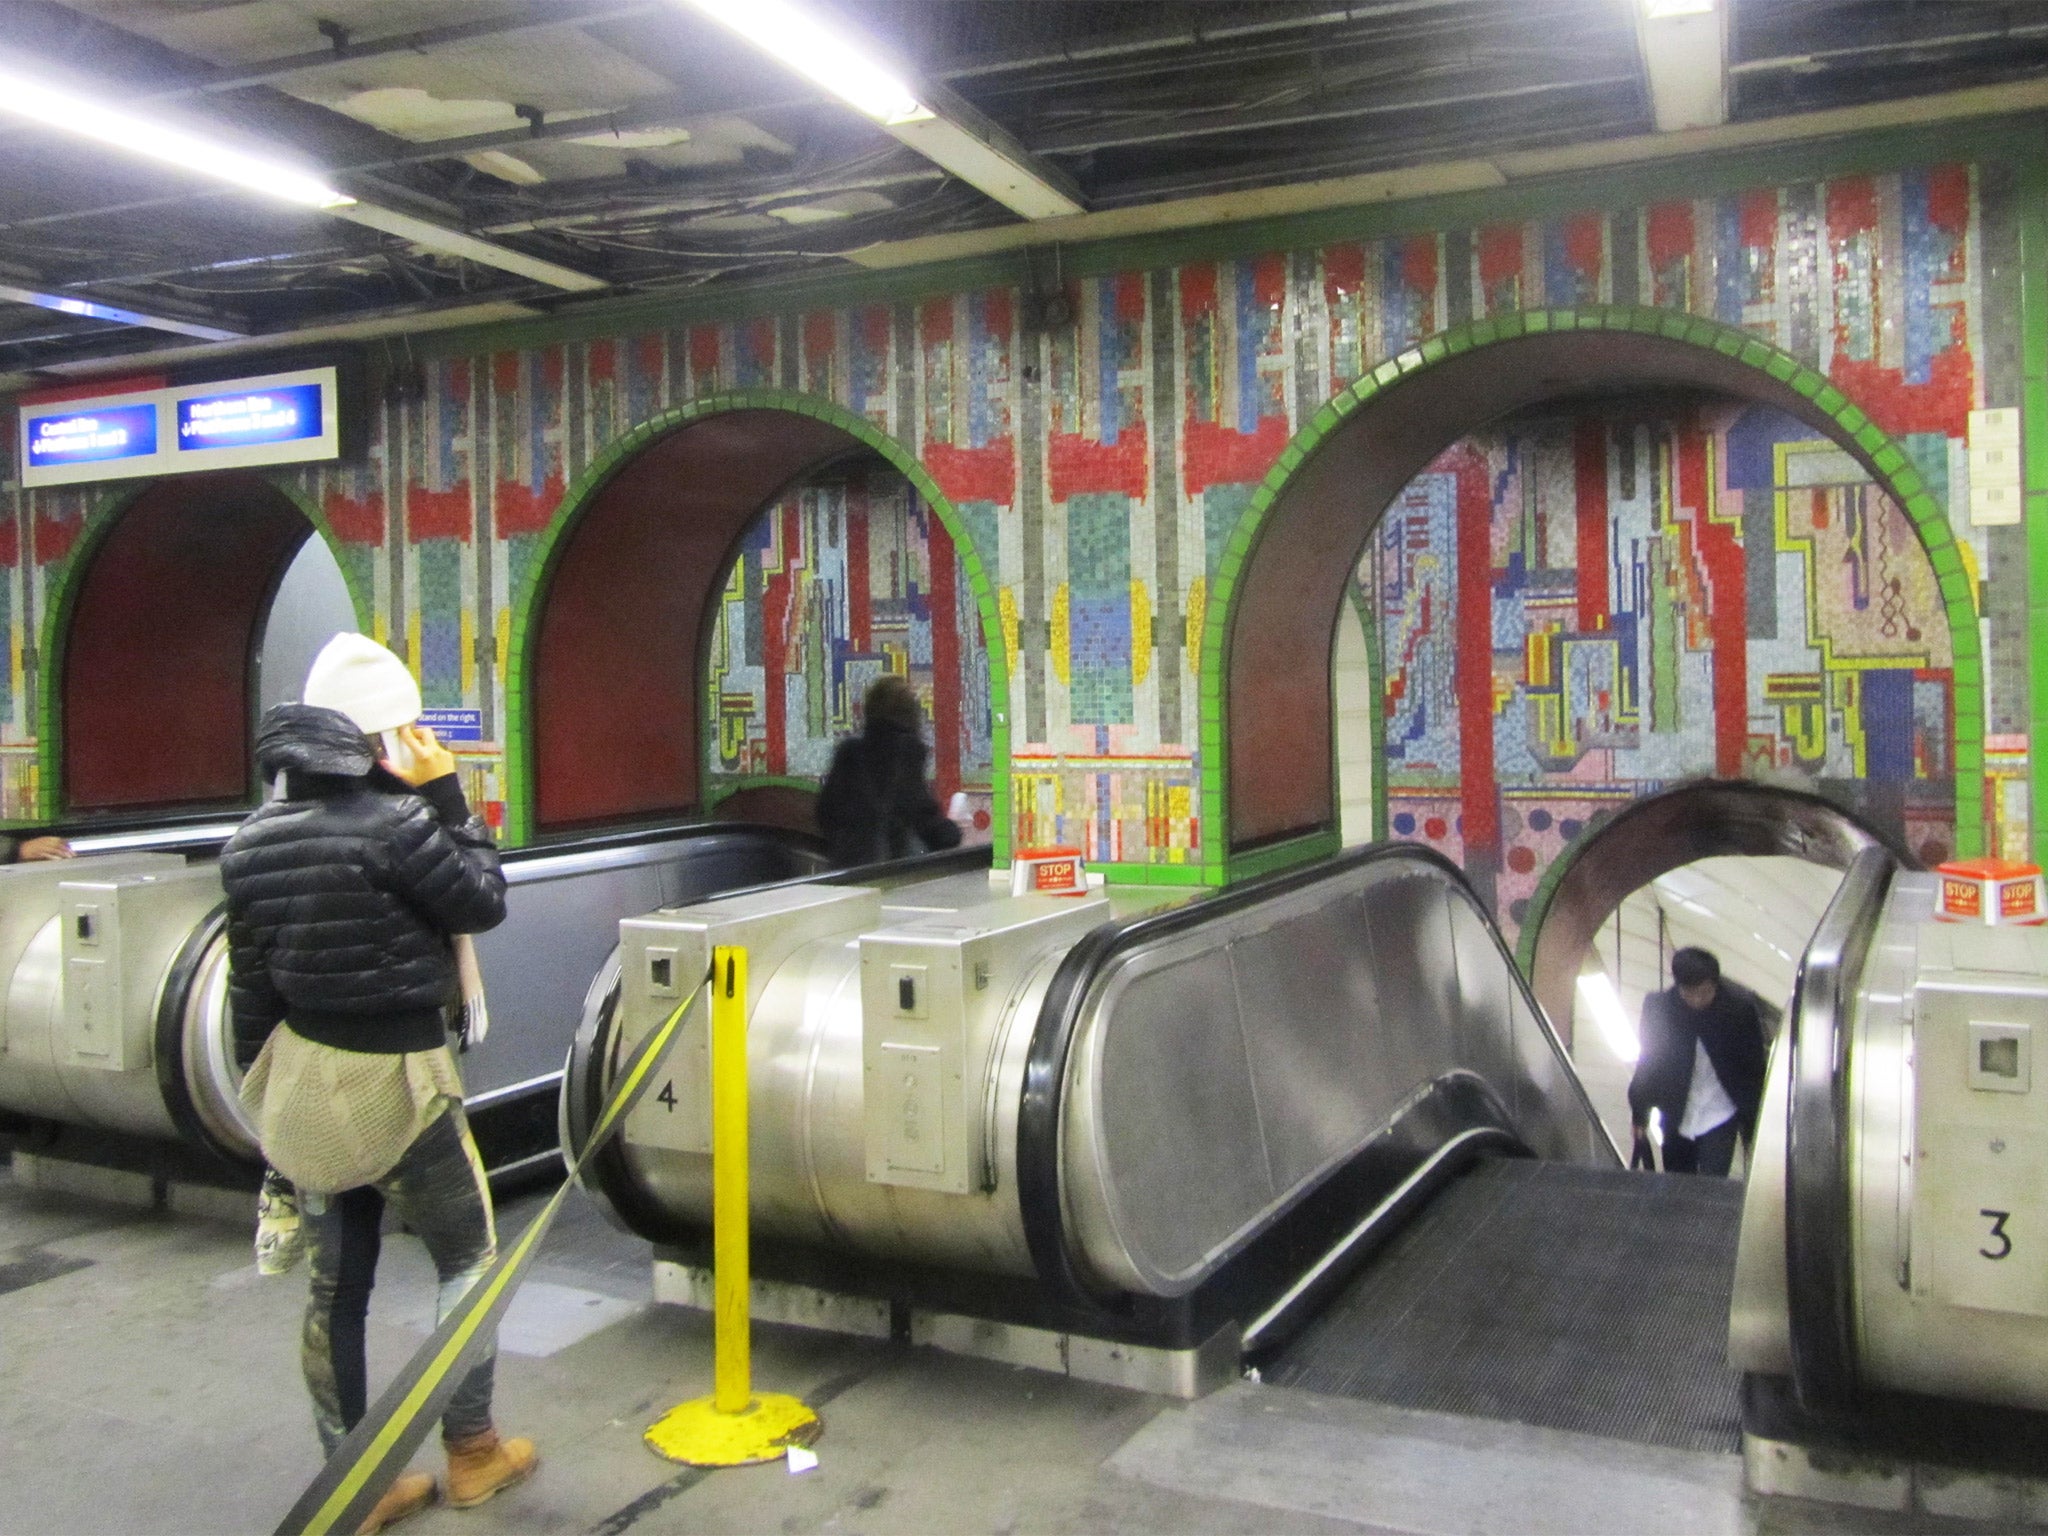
(1818, 1256)
(1040, 1194)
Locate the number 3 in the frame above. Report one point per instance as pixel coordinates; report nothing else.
(1998, 1220)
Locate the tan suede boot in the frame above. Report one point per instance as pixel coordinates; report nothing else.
(483, 1464)
(413, 1492)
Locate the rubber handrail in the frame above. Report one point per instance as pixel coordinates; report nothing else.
(1819, 1268)
(1039, 1169)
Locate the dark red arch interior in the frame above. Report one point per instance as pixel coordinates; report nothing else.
(159, 649)
(1279, 737)
(1663, 832)
(615, 681)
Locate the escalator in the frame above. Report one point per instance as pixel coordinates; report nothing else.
(117, 1048)
(1317, 1124)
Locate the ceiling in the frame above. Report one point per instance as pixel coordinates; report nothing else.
(647, 149)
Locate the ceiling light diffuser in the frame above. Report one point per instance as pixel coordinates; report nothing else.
(27, 97)
(91, 309)
(822, 54)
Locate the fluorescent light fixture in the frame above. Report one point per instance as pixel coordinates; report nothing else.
(1605, 1005)
(70, 304)
(455, 242)
(990, 161)
(822, 54)
(25, 96)
(1685, 60)
(938, 125)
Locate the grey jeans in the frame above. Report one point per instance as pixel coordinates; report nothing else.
(438, 1191)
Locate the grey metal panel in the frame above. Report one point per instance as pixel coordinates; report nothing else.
(1356, 995)
(1318, 1040)
(1180, 1118)
(562, 914)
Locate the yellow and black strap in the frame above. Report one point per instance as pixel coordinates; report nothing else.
(377, 1450)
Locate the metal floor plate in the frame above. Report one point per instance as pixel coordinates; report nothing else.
(1574, 1298)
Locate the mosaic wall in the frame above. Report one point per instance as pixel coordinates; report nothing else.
(1099, 467)
(1666, 593)
(842, 580)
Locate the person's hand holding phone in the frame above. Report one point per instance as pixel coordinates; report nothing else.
(36, 849)
(429, 759)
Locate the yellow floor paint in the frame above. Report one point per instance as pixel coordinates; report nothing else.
(698, 1435)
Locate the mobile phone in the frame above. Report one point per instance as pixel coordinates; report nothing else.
(396, 752)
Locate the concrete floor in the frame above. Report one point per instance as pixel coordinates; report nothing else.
(151, 1385)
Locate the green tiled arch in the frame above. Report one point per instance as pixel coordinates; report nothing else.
(62, 596)
(1886, 460)
(526, 601)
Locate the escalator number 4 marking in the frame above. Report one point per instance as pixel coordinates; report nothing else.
(1998, 1219)
(667, 1098)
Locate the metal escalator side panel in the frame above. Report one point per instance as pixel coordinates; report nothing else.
(1759, 1329)
(1262, 1041)
(1819, 1247)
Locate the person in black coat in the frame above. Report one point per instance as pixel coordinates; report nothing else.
(346, 892)
(875, 804)
(1701, 1068)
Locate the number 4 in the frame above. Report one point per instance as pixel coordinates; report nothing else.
(1998, 1219)
(667, 1098)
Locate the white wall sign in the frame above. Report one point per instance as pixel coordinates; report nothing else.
(280, 418)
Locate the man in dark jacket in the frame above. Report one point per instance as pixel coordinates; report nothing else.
(343, 893)
(1701, 1068)
(875, 804)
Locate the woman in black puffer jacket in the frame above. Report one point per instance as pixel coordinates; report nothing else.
(344, 892)
(342, 895)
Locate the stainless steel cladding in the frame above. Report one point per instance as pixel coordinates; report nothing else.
(1219, 1074)
(87, 945)
(1942, 1170)
(1210, 1064)
(115, 1012)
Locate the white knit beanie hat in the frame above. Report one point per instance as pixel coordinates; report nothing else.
(359, 677)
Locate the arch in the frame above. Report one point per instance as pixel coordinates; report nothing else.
(166, 592)
(1703, 819)
(731, 453)
(1267, 775)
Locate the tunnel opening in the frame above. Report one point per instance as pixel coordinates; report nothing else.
(1324, 511)
(1660, 833)
(627, 709)
(201, 603)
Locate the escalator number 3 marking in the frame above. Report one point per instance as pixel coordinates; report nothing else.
(667, 1098)
(1998, 1219)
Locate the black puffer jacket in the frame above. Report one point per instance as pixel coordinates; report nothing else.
(342, 895)
(875, 805)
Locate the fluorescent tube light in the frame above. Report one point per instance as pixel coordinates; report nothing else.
(1605, 1006)
(940, 126)
(70, 304)
(457, 243)
(822, 54)
(27, 97)
(1686, 64)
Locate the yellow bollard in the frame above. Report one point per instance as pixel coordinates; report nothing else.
(733, 1427)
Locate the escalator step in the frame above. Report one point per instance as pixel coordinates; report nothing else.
(1575, 1298)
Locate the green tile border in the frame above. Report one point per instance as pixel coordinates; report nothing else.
(2033, 230)
(61, 597)
(1849, 426)
(526, 602)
